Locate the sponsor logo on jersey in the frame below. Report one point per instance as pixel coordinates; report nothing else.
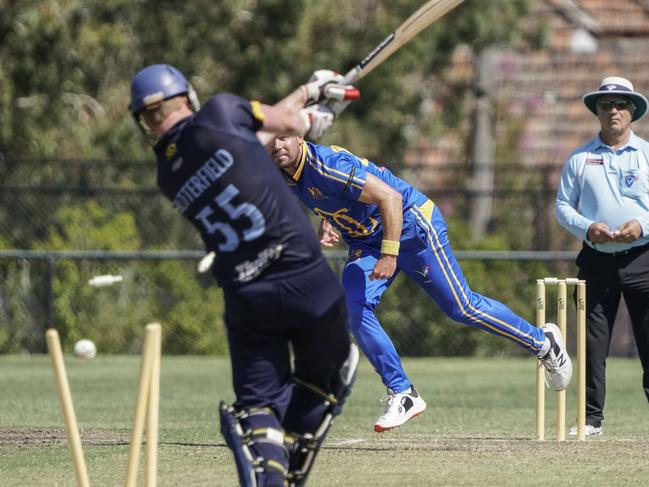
(629, 179)
(594, 162)
(250, 269)
(347, 224)
(176, 164)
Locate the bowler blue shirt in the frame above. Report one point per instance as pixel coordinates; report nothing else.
(329, 181)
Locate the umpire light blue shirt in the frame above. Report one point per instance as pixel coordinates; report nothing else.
(602, 184)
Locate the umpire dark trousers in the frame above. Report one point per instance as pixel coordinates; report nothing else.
(609, 276)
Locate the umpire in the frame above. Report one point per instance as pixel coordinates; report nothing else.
(603, 199)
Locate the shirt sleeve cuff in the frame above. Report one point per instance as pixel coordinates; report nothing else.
(584, 230)
(257, 111)
(644, 224)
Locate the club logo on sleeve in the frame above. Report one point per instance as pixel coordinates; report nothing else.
(170, 150)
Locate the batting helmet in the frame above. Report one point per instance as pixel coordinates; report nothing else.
(159, 82)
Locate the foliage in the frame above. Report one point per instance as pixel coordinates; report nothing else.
(191, 308)
(22, 290)
(66, 64)
(90, 227)
(65, 68)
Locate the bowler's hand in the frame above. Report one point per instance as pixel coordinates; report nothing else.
(628, 232)
(384, 267)
(599, 232)
(328, 235)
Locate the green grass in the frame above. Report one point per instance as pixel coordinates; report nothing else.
(478, 428)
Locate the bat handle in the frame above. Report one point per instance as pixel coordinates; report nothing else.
(352, 76)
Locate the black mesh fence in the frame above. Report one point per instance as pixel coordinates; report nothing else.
(41, 289)
(74, 204)
(72, 220)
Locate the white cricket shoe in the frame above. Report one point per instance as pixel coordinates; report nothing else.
(558, 367)
(399, 408)
(590, 430)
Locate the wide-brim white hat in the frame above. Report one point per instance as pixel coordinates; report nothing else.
(616, 85)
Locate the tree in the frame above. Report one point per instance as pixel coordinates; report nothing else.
(66, 64)
(65, 69)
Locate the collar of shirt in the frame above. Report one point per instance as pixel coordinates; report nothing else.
(599, 145)
(300, 167)
(160, 146)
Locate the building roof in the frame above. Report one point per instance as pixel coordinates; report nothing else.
(539, 91)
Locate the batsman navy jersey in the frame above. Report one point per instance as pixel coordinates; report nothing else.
(220, 178)
(329, 180)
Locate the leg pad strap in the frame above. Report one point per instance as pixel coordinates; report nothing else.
(257, 443)
(304, 447)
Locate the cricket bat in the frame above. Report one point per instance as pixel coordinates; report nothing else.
(427, 14)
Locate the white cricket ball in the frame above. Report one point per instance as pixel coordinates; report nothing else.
(206, 262)
(85, 349)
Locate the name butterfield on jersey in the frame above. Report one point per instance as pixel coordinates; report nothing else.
(196, 185)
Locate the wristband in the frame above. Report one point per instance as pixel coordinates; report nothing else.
(390, 247)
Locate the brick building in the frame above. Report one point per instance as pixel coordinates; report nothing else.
(538, 90)
(536, 102)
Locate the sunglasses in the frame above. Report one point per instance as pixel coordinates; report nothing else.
(606, 105)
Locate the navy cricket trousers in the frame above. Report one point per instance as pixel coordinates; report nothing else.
(267, 320)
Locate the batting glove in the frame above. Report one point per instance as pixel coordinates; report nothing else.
(338, 106)
(324, 84)
(317, 120)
